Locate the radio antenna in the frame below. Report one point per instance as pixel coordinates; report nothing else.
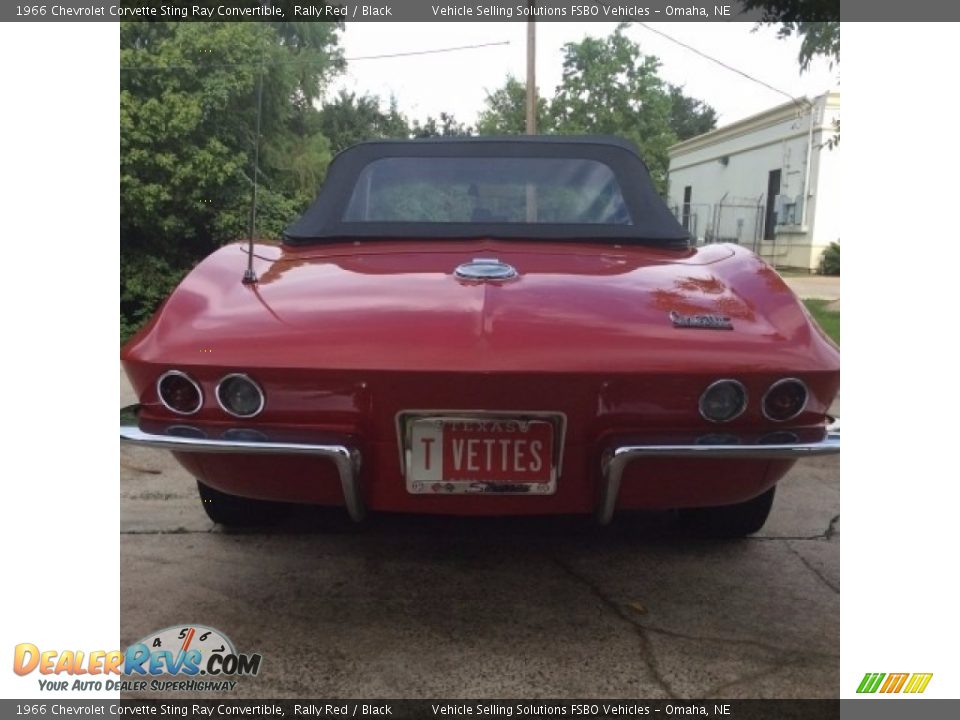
(249, 276)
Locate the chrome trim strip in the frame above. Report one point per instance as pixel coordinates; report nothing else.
(347, 460)
(806, 398)
(196, 386)
(616, 459)
(743, 409)
(216, 394)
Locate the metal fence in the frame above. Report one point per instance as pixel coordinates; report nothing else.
(742, 221)
(734, 222)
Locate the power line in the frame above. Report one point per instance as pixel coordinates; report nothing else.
(428, 52)
(384, 56)
(803, 103)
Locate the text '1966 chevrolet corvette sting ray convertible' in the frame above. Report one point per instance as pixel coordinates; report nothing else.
(486, 326)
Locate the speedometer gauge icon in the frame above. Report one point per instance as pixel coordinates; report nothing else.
(178, 639)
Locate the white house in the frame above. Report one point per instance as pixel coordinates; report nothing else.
(770, 181)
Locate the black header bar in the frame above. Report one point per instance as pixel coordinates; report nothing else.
(456, 11)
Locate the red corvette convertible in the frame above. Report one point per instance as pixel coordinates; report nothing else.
(486, 327)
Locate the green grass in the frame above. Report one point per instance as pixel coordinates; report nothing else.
(828, 320)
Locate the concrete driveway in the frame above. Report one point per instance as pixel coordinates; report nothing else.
(820, 287)
(409, 607)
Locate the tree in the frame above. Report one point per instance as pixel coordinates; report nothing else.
(690, 117)
(816, 22)
(610, 87)
(506, 111)
(446, 126)
(830, 260)
(188, 107)
(350, 119)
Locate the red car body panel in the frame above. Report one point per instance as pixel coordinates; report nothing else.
(344, 336)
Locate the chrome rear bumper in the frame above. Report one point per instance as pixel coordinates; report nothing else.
(616, 459)
(346, 460)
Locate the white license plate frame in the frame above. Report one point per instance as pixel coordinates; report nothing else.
(412, 424)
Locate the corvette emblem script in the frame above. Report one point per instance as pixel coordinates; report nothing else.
(704, 322)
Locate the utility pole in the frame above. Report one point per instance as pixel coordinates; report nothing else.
(531, 103)
(531, 72)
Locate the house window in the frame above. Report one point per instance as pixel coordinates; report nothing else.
(685, 215)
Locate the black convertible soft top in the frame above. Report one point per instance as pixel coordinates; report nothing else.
(585, 188)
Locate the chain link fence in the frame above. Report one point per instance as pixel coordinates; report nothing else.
(739, 221)
(735, 221)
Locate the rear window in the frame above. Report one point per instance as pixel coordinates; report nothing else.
(487, 190)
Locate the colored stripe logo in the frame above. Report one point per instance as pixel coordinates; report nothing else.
(894, 683)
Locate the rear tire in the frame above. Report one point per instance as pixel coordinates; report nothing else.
(235, 511)
(731, 521)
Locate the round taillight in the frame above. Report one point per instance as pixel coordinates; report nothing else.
(723, 401)
(240, 396)
(179, 393)
(784, 400)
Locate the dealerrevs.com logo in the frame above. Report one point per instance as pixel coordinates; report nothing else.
(190, 658)
(910, 683)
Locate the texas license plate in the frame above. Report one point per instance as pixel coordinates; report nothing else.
(499, 454)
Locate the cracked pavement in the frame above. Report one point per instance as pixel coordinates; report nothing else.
(414, 607)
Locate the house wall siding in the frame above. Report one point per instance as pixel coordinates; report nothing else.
(732, 166)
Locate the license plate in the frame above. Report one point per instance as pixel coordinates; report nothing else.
(481, 454)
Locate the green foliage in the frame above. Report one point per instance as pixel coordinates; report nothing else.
(145, 280)
(460, 201)
(816, 22)
(446, 126)
(829, 320)
(819, 38)
(350, 119)
(422, 202)
(690, 117)
(830, 262)
(609, 87)
(188, 106)
(506, 111)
